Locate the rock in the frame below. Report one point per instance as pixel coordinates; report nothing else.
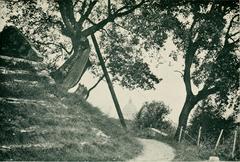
(15, 44)
(213, 158)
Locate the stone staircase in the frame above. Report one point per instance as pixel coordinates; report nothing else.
(33, 120)
(23, 106)
(39, 121)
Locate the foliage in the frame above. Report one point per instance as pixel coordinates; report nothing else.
(125, 61)
(50, 29)
(207, 37)
(211, 118)
(153, 115)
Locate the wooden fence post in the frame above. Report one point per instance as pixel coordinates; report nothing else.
(234, 143)
(218, 140)
(184, 134)
(199, 135)
(180, 134)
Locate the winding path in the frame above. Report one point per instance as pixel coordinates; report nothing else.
(154, 151)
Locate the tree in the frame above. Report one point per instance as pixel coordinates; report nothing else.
(206, 33)
(44, 24)
(76, 20)
(153, 114)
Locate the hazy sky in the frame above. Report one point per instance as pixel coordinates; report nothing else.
(170, 90)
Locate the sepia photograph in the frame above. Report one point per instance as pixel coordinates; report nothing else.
(120, 80)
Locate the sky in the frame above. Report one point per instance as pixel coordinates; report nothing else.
(170, 90)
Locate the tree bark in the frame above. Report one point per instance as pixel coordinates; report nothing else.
(189, 104)
(69, 74)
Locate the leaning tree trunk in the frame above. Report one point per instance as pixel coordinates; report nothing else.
(69, 74)
(183, 118)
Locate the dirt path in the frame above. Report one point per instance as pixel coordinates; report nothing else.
(154, 151)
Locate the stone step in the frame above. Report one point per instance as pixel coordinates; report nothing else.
(25, 101)
(23, 88)
(18, 90)
(34, 151)
(19, 82)
(31, 106)
(5, 70)
(27, 77)
(45, 151)
(7, 74)
(21, 64)
(38, 145)
(28, 111)
(40, 133)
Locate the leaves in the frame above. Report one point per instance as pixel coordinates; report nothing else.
(52, 27)
(153, 114)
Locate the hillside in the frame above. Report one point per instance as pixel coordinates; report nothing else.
(39, 121)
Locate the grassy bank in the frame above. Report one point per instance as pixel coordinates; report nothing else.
(39, 121)
(62, 128)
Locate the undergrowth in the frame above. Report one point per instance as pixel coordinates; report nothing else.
(187, 150)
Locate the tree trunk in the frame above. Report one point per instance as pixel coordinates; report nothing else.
(76, 70)
(183, 118)
(69, 74)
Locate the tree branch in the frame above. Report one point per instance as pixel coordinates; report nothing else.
(128, 30)
(120, 14)
(202, 94)
(232, 35)
(109, 7)
(88, 19)
(110, 18)
(66, 10)
(94, 86)
(179, 72)
(58, 45)
(227, 36)
(87, 13)
(83, 7)
(189, 55)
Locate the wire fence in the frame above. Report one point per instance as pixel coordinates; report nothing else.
(228, 143)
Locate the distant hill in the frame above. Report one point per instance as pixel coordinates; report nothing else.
(38, 121)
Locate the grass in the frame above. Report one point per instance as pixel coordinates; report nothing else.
(73, 131)
(189, 151)
(81, 127)
(61, 127)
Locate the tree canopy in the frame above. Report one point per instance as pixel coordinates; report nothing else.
(207, 37)
(56, 27)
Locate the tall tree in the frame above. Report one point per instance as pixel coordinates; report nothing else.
(66, 25)
(76, 20)
(206, 33)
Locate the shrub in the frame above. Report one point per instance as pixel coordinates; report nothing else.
(153, 114)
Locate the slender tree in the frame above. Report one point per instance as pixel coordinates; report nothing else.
(206, 33)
